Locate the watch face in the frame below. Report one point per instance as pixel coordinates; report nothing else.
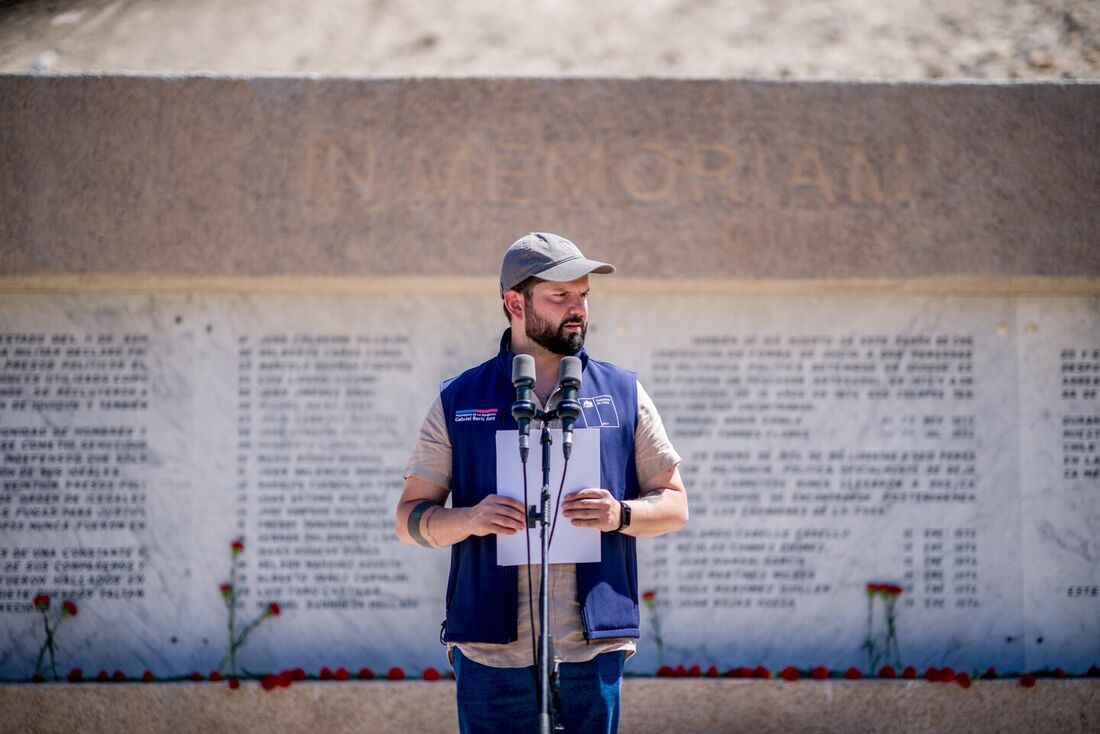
(624, 519)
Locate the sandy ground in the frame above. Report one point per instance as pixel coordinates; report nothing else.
(804, 39)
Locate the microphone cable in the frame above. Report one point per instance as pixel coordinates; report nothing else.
(557, 505)
(530, 596)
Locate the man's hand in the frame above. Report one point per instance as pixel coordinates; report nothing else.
(592, 508)
(497, 514)
(660, 508)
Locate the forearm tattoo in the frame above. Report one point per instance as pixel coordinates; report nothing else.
(414, 522)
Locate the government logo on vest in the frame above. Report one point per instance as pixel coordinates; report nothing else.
(476, 415)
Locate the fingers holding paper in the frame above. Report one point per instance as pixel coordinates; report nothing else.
(592, 508)
(497, 514)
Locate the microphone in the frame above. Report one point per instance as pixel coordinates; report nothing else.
(569, 409)
(523, 410)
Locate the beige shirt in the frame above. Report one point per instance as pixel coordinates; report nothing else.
(431, 461)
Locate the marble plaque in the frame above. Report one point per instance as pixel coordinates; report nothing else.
(947, 445)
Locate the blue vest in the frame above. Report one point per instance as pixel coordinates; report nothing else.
(482, 596)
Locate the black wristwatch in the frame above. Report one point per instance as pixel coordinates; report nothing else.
(624, 516)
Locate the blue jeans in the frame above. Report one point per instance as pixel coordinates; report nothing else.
(500, 700)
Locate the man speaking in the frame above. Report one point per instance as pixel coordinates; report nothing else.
(593, 607)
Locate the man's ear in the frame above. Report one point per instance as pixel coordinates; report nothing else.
(513, 301)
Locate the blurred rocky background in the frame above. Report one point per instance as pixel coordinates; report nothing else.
(804, 39)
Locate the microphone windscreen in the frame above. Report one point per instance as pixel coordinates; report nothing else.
(523, 369)
(570, 371)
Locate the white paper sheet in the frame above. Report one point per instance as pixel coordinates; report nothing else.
(570, 544)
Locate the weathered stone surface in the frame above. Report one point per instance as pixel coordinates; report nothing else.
(173, 192)
(217, 176)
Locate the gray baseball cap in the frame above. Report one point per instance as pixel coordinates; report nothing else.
(548, 256)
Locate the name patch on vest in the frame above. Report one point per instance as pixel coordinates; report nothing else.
(476, 415)
(600, 412)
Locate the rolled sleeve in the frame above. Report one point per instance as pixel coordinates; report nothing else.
(431, 456)
(653, 451)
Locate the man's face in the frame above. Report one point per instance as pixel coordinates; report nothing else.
(557, 316)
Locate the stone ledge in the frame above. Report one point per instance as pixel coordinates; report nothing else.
(481, 286)
(649, 705)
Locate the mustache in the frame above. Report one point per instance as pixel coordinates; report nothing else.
(576, 320)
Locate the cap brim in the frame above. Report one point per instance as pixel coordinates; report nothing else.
(573, 269)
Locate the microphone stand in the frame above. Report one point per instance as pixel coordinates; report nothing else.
(542, 516)
(523, 411)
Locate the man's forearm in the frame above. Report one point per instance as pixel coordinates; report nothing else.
(431, 525)
(661, 507)
(657, 512)
(423, 520)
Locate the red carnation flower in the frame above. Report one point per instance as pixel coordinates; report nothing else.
(38, 678)
(695, 671)
(76, 675)
(990, 673)
(681, 671)
(666, 671)
(873, 588)
(395, 673)
(118, 676)
(299, 674)
(147, 677)
(887, 671)
(431, 674)
(215, 676)
(68, 609)
(789, 673)
(42, 602)
(196, 676)
(853, 674)
(947, 675)
(712, 671)
(963, 680)
(103, 676)
(273, 610)
(649, 596)
(819, 673)
(761, 672)
(891, 589)
(268, 682)
(226, 590)
(932, 674)
(366, 674)
(909, 673)
(342, 674)
(745, 672)
(237, 547)
(284, 678)
(326, 673)
(1059, 673)
(234, 683)
(1027, 680)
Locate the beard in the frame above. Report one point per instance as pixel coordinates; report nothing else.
(555, 338)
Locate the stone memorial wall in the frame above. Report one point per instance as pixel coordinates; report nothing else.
(945, 444)
(938, 430)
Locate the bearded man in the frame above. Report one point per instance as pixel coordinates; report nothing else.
(594, 613)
